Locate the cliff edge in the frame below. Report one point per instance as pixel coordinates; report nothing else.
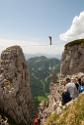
(72, 61)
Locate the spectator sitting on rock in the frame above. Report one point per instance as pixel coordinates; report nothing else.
(75, 80)
(79, 81)
(82, 80)
(81, 87)
(70, 92)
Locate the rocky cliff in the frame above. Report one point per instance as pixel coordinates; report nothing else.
(72, 58)
(53, 103)
(15, 93)
(72, 65)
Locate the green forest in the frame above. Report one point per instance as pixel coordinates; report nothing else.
(41, 70)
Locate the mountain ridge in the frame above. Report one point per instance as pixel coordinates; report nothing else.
(28, 56)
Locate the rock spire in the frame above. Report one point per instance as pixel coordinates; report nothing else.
(15, 92)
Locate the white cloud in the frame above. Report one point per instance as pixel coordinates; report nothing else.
(76, 30)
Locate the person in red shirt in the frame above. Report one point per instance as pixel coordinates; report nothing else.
(36, 121)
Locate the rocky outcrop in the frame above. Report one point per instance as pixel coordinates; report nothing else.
(72, 65)
(54, 102)
(72, 60)
(15, 93)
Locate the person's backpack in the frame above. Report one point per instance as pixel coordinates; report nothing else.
(81, 88)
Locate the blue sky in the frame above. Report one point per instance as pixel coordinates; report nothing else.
(28, 23)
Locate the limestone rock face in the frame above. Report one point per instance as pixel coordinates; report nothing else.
(15, 93)
(72, 60)
(54, 102)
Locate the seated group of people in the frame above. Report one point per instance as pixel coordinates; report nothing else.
(72, 89)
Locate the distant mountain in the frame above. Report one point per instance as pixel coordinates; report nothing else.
(58, 56)
(41, 70)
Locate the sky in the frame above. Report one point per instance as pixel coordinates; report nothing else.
(28, 23)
